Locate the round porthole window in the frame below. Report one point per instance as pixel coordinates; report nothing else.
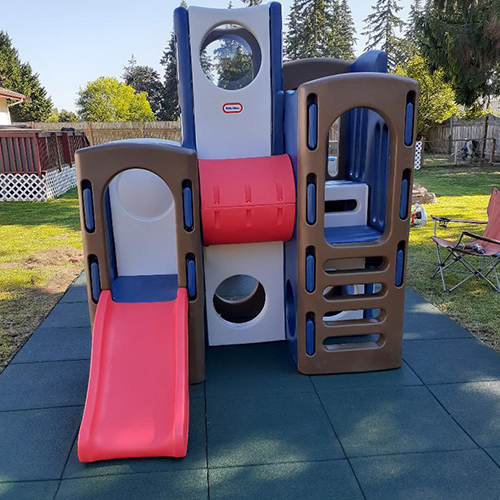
(239, 299)
(230, 56)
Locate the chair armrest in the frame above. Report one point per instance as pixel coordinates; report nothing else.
(479, 237)
(445, 220)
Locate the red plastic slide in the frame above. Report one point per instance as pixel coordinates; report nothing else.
(137, 400)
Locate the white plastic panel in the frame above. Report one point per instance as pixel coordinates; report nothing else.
(234, 134)
(144, 229)
(346, 190)
(262, 261)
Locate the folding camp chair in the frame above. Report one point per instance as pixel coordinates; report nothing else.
(479, 255)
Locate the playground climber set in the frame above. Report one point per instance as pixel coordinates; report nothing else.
(244, 233)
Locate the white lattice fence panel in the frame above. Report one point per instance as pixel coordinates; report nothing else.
(418, 155)
(58, 182)
(22, 187)
(31, 187)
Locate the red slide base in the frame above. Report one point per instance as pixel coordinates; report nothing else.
(137, 400)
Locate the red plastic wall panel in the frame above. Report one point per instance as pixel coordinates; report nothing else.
(247, 200)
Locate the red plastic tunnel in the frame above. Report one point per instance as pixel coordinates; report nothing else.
(247, 200)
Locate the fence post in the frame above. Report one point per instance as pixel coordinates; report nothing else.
(142, 130)
(492, 150)
(455, 161)
(89, 130)
(485, 135)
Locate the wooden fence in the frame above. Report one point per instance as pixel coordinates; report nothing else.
(35, 151)
(101, 132)
(486, 131)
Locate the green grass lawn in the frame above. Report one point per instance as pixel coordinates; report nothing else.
(462, 192)
(40, 255)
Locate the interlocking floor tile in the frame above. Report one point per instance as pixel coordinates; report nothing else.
(476, 407)
(56, 344)
(448, 361)
(267, 429)
(185, 485)
(330, 480)
(265, 368)
(35, 443)
(459, 475)
(43, 385)
(392, 420)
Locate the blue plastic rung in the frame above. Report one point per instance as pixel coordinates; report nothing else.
(191, 277)
(311, 203)
(409, 124)
(88, 210)
(399, 267)
(312, 129)
(187, 198)
(310, 336)
(95, 281)
(310, 278)
(403, 205)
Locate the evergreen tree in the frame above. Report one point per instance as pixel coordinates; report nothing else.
(462, 37)
(344, 31)
(380, 28)
(19, 77)
(311, 29)
(170, 101)
(145, 79)
(251, 3)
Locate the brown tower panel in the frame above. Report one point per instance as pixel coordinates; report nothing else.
(174, 165)
(388, 95)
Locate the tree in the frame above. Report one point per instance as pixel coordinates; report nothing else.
(108, 100)
(436, 101)
(462, 37)
(145, 79)
(19, 77)
(170, 102)
(68, 116)
(344, 31)
(251, 3)
(380, 28)
(311, 26)
(62, 116)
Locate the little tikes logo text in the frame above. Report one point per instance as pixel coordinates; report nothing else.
(231, 108)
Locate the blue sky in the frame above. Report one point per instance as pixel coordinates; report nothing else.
(70, 43)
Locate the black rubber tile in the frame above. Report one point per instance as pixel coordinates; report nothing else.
(195, 458)
(265, 368)
(401, 377)
(494, 453)
(330, 480)
(77, 292)
(476, 407)
(185, 485)
(43, 385)
(392, 420)
(458, 475)
(35, 443)
(31, 490)
(449, 361)
(56, 344)
(197, 391)
(267, 429)
(423, 321)
(68, 315)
